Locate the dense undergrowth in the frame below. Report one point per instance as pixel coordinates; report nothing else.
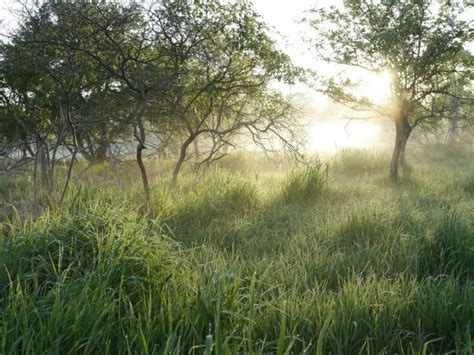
(251, 260)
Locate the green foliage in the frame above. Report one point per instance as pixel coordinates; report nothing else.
(377, 36)
(94, 78)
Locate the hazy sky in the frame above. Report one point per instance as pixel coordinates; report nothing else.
(5, 15)
(283, 16)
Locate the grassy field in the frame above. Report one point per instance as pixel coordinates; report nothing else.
(253, 257)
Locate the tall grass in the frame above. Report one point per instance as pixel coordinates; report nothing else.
(305, 184)
(360, 161)
(328, 261)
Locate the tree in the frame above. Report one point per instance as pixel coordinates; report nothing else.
(123, 45)
(416, 41)
(126, 58)
(28, 103)
(225, 90)
(47, 89)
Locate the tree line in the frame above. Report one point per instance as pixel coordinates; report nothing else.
(84, 80)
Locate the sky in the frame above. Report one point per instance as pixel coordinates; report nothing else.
(283, 16)
(7, 19)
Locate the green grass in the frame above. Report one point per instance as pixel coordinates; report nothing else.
(358, 161)
(249, 258)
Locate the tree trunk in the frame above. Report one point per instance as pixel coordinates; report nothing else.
(101, 151)
(196, 149)
(453, 133)
(140, 136)
(179, 164)
(403, 130)
(35, 182)
(43, 165)
(74, 154)
(141, 165)
(68, 176)
(403, 150)
(52, 172)
(182, 156)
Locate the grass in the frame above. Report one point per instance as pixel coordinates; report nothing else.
(359, 161)
(305, 185)
(320, 259)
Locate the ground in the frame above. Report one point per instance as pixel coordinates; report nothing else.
(251, 257)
